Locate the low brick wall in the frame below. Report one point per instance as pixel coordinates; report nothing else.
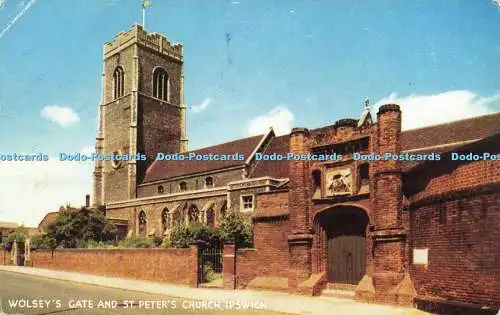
(177, 266)
(4, 257)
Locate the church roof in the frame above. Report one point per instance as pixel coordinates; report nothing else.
(162, 169)
(276, 169)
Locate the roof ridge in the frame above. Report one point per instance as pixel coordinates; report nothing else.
(452, 122)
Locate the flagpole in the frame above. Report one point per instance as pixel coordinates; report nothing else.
(143, 17)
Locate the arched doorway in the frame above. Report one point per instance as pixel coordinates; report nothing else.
(344, 229)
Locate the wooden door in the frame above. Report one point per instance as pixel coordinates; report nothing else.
(346, 259)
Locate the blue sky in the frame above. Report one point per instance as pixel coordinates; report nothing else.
(288, 63)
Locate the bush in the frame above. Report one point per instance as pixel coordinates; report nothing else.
(136, 242)
(181, 236)
(43, 241)
(157, 241)
(209, 274)
(235, 228)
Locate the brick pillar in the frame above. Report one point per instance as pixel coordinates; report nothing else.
(229, 266)
(391, 280)
(195, 266)
(300, 237)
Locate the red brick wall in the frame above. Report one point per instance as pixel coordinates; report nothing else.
(464, 252)
(270, 256)
(177, 266)
(4, 257)
(452, 176)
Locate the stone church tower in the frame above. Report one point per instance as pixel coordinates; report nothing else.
(141, 111)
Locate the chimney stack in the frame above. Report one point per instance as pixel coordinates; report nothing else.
(87, 201)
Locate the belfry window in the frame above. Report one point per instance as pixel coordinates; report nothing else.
(161, 84)
(118, 82)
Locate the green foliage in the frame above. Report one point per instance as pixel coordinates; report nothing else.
(43, 241)
(18, 235)
(182, 236)
(236, 229)
(157, 241)
(136, 242)
(209, 274)
(74, 228)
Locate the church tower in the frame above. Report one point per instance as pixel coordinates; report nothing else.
(141, 111)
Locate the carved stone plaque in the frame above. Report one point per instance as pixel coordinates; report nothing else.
(339, 182)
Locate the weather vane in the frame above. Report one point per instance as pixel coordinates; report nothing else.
(367, 103)
(145, 5)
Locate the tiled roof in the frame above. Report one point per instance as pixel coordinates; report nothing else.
(48, 219)
(276, 169)
(457, 131)
(161, 169)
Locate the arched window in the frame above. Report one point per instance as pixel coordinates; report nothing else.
(118, 82)
(316, 182)
(210, 217)
(143, 224)
(223, 210)
(183, 186)
(161, 84)
(161, 190)
(209, 182)
(194, 214)
(165, 220)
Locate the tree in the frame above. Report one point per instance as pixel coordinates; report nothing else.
(75, 228)
(43, 241)
(236, 229)
(18, 235)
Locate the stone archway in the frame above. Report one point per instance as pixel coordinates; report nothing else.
(342, 243)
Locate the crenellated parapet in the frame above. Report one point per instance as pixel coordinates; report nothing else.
(137, 35)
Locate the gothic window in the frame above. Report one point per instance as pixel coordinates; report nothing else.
(161, 84)
(143, 224)
(118, 82)
(165, 220)
(209, 182)
(316, 177)
(247, 203)
(223, 210)
(183, 186)
(161, 190)
(194, 214)
(210, 217)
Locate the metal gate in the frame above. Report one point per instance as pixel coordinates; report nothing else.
(346, 259)
(209, 263)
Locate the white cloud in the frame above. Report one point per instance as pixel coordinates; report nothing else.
(63, 116)
(201, 107)
(280, 118)
(424, 110)
(2, 3)
(31, 189)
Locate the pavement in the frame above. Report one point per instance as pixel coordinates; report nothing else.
(210, 301)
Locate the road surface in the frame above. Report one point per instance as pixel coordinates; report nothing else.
(25, 294)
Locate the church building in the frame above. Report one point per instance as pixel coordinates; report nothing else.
(395, 229)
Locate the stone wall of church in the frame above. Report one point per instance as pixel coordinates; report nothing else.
(178, 266)
(220, 179)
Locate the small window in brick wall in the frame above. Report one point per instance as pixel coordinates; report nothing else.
(209, 182)
(247, 203)
(316, 177)
(364, 178)
(183, 186)
(161, 190)
(441, 213)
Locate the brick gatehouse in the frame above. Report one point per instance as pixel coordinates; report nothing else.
(389, 231)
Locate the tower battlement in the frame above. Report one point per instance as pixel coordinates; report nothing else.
(154, 41)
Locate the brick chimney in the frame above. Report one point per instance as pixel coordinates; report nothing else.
(87, 201)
